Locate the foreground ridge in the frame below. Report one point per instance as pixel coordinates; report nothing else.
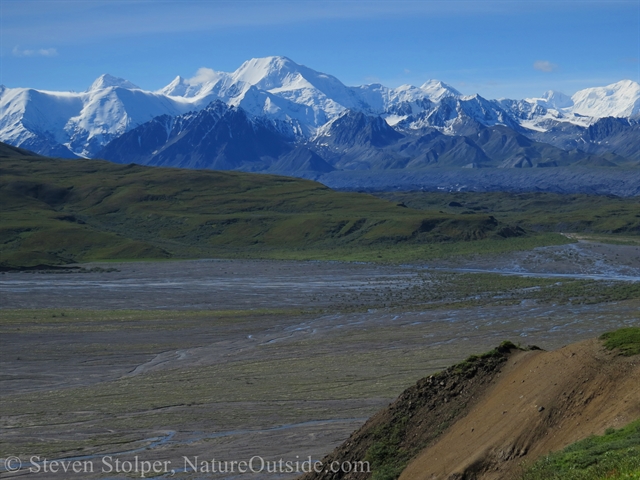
(494, 414)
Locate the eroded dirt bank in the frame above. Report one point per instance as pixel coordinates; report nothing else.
(487, 418)
(540, 402)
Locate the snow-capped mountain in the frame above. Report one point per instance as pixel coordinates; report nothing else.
(289, 93)
(460, 115)
(300, 104)
(106, 81)
(554, 100)
(620, 99)
(70, 124)
(585, 107)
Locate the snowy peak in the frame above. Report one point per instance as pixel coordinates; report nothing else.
(177, 88)
(106, 81)
(556, 100)
(268, 73)
(200, 85)
(551, 100)
(621, 99)
(437, 90)
(290, 91)
(281, 73)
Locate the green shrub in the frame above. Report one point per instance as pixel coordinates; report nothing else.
(626, 340)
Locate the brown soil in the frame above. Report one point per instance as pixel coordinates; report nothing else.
(540, 402)
(487, 419)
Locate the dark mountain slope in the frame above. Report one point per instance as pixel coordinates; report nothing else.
(357, 129)
(217, 137)
(7, 151)
(615, 139)
(508, 148)
(356, 146)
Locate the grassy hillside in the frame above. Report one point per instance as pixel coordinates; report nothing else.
(605, 217)
(614, 455)
(61, 211)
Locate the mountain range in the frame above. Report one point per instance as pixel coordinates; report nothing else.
(274, 115)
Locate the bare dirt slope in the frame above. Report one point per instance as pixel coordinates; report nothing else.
(538, 403)
(487, 417)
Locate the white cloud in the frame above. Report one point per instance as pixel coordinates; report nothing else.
(204, 75)
(41, 52)
(544, 66)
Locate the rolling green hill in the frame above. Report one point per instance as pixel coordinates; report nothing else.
(599, 215)
(62, 211)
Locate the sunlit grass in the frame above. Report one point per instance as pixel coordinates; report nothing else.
(614, 455)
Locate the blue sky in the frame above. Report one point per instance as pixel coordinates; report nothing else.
(514, 49)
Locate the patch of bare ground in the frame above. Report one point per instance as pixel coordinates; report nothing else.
(488, 418)
(540, 402)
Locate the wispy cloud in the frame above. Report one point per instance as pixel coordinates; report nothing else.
(40, 52)
(204, 75)
(544, 66)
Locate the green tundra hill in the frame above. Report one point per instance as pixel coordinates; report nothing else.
(63, 211)
(601, 217)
